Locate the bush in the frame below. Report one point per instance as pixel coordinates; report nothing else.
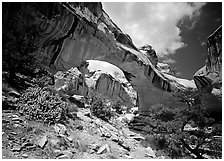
(168, 132)
(102, 106)
(43, 105)
(100, 109)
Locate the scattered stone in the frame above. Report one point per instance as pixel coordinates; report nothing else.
(17, 119)
(10, 137)
(14, 93)
(41, 142)
(15, 116)
(112, 156)
(83, 117)
(105, 134)
(80, 127)
(134, 110)
(70, 138)
(16, 148)
(128, 118)
(64, 155)
(60, 129)
(24, 145)
(13, 133)
(6, 154)
(72, 108)
(123, 145)
(115, 139)
(150, 152)
(5, 121)
(161, 157)
(95, 147)
(25, 155)
(79, 97)
(16, 125)
(103, 149)
(129, 157)
(188, 127)
(138, 137)
(128, 132)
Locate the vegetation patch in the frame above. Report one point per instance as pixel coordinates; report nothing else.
(41, 104)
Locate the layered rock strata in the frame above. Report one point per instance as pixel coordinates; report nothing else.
(210, 75)
(209, 78)
(112, 88)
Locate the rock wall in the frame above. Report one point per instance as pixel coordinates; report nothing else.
(70, 82)
(112, 88)
(209, 78)
(210, 75)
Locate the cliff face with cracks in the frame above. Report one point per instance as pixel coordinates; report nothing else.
(210, 76)
(83, 31)
(112, 88)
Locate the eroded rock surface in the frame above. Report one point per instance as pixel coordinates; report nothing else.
(209, 78)
(112, 88)
(211, 74)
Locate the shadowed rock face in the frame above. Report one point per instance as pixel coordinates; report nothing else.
(209, 77)
(112, 88)
(211, 74)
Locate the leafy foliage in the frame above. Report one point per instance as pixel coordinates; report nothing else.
(169, 130)
(102, 107)
(20, 36)
(43, 105)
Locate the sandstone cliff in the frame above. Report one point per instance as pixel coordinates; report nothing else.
(210, 76)
(112, 88)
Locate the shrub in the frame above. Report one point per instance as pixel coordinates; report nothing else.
(43, 105)
(100, 109)
(168, 132)
(102, 106)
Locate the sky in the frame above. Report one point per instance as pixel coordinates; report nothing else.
(176, 31)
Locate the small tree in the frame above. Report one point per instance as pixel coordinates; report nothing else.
(20, 36)
(170, 133)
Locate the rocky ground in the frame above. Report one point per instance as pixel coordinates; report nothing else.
(84, 137)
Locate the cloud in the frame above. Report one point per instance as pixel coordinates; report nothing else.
(154, 23)
(169, 61)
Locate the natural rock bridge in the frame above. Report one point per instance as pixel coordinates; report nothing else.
(83, 31)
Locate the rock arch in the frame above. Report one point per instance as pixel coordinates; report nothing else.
(83, 31)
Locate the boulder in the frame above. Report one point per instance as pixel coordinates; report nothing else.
(128, 118)
(150, 53)
(70, 82)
